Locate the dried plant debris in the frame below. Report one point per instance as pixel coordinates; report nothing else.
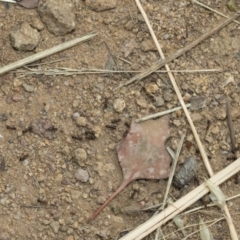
(205, 233)
(186, 173)
(216, 195)
(231, 6)
(179, 222)
(142, 154)
(28, 3)
(44, 128)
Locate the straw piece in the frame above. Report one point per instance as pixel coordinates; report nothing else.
(46, 53)
(70, 71)
(9, 1)
(160, 114)
(173, 168)
(178, 53)
(180, 205)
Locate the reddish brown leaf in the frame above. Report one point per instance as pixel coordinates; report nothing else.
(142, 154)
(28, 3)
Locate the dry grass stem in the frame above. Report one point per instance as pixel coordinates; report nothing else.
(194, 225)
(205, 233)
(47, 63)
(173, 168)
(178, 53)
(213, 10)
(217, 195)
(69, 71)
(180, 205)
(160, 113)
(10, 1)
(208, 205)
(230, 126)
(45, 53)
(220, 219)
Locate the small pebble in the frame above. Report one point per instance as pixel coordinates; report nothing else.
(81, 121)
(75, 194)
(221, 114)
(197, 102)
(151, 88)
(80, 156)
(82, 175)
(55, 226)
(28, 88)
(101, 199)
(119, 105)
(159, 101)
(141, 102)
(167, 95)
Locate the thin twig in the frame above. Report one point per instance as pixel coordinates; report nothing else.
(213, 10)
(9, 1)
(230, 126)
(160, 113)
(45, 53)
(180, 52)
(46, 63)
(71, 71)
(173, 168)
(208, 205)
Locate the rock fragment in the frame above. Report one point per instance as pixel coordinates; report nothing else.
(43, 128)
(55, 226)
(198, 102)
(58, 18)
(81, 121)
(28, 88)
(28, 3)
(101, 5)
(119, 105)
(141, 102)
(24, 38)
(151, 88)
(148, 45)
(82, 175)
(80, 156)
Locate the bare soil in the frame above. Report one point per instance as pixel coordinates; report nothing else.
(40, 198)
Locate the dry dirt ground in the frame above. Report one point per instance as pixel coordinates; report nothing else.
(40, 198)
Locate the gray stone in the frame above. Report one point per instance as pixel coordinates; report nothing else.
(167, 95)
(58, 18)
(101, 5)
(82, 175)
(159, 101)
(24, 38)
(198, 102)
